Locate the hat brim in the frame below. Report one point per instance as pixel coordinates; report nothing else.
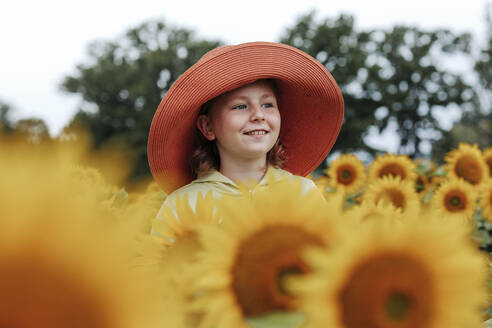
(310, 104)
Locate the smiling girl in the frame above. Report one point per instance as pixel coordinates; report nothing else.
(241, 114)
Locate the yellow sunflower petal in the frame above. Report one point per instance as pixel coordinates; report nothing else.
(486, 200)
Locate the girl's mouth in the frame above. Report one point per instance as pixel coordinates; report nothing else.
(256, 132)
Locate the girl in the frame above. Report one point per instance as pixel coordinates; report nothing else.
(241, 114)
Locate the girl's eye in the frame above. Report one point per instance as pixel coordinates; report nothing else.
(268, 105)
(239, 107)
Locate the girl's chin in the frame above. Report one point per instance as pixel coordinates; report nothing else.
(255, 153)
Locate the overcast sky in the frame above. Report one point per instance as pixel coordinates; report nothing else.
(42, 41)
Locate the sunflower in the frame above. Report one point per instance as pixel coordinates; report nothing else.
(408, 275)
(177, 241)
(454, 199)
(247, 259)
(64, 258)
(394, 191)
(467, 163)
(486, 200)
(487, 156)
(348, 173)
(392, 165)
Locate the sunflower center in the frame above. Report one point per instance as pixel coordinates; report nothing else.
(392, 196)
(455, 201)
(346, 174)
(393, 169)
(387, 290)
(37, 293)
(263, 263)
(397, 306)
(469, 169)
(283, 275)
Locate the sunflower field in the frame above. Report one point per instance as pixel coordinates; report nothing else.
(391, 244)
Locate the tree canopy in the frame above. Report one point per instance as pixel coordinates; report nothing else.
(125, 81)
(390, 76)
(475, 127)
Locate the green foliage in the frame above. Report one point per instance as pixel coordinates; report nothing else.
(476, 126)
(125, 81)
(278, 320)
(5, 123)
(32, 130)
(386, 75)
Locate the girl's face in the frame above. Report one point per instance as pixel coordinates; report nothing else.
(245, 122)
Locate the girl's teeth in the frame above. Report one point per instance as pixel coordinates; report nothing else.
(256, 132)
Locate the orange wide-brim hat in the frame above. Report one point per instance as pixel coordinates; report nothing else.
(309, 100)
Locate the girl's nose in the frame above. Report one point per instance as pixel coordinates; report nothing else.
(257, 113)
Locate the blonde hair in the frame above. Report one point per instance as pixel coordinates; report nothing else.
(205, 155)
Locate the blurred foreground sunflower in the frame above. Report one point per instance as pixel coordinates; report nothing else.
(467, 162)
(392, 165)
(411, 275)
(454, 199)
(176, 239)
(347, 172)
(246, 260)
(64, 258)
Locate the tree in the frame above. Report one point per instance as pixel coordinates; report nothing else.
(387, 75)
(5, 122)
(125, 81)
(476, 126)
(33, 129)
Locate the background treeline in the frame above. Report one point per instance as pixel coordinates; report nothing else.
(402, 78)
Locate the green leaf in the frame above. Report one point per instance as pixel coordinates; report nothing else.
(330, 189)
(440, 172)
(487, 324)
(428, 196)
(482, 236)
(423, 167)
(277, 320)
(119, 198)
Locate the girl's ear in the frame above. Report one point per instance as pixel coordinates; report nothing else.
(203, 124)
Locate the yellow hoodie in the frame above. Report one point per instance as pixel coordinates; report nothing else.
(221, 185)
